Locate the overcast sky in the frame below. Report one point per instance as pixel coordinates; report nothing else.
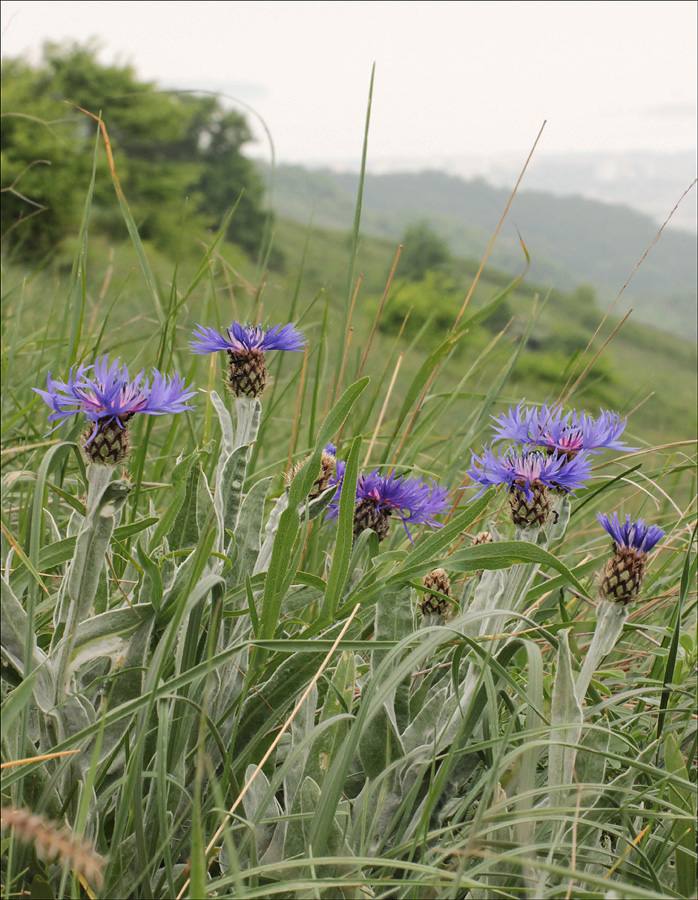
(452, 78)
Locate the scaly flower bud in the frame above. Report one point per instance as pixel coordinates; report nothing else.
(431, 604)
(621, 577)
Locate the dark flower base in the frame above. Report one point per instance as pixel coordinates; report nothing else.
(367, 515)
(110, 445)
(530, 513)
(622, 575)
(247, 375)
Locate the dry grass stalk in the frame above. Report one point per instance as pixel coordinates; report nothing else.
(54, 842)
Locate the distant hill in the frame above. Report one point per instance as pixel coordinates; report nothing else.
(571, 240)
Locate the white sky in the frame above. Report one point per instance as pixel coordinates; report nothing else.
(452, 78)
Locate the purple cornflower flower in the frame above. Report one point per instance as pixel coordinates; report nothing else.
(243, 338)
(631, 535)
(380, 496)
(246, 346)
(567, 433)
(533, 474)
(109, 399)
(524, 470)
(621, 577)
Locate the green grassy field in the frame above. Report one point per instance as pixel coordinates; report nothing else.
(224, 696)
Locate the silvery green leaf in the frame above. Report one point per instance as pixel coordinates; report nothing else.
(98, 634)
(423, 729)
(318, 505)
(394, 620)
(248, 533)
(566, 719)
(91, 547)
(610, 619)
(228, 493)
(379, 744)
(556, 528)
(82, 578)
(226, 422)
(151, 589)
(337, 702)
(127, 681)
(182, 507)
(98, 477)
(248, 411)
(310, 797)
(270, 530)
(302, 725)
(253, 800)
(13, 635)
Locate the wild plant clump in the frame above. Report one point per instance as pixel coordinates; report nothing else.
(242, 659)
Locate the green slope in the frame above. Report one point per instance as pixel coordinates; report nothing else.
(571, 240)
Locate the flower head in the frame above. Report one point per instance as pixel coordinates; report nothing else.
(380, 496)
(524, 470)
(243, 338)
(328, 468)
(246, 346)
(631, 535)
(621, 577)
(109, 399)
(567, 433)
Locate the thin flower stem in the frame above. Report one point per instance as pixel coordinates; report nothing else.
(382, 412)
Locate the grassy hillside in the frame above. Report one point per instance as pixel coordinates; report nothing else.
(640, 367)
(571, 240)
(167, 617)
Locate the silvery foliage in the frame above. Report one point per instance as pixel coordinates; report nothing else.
(108, 641)
(410, 714)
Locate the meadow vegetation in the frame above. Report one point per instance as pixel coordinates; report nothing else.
(228, 674)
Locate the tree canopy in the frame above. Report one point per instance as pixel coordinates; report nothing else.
(169, 147)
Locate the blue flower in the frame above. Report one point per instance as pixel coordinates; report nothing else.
(109, 399)
(531, 467)
(245, 338)
(631, 535)
(101, 391)
(567, 433)
(380, 496)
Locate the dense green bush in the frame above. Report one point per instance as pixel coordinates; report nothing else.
(168, 148)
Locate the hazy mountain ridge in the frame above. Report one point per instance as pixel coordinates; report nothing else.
(650, 183)
(571, 240)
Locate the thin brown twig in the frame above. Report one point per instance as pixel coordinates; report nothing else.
(597, 355)
(383, 408)
(610, 309)
(380, 310)
(344, 362)
(501, 222)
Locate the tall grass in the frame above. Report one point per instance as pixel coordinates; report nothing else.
(243, 730)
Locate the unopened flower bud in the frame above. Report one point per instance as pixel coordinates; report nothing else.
(621, 577)
(431, 604)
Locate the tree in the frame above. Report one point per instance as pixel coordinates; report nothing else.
(423, 250)
(168, 147)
